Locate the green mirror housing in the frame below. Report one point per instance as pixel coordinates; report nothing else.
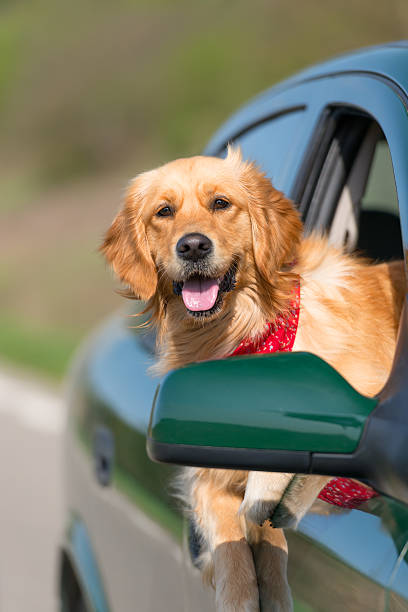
(281, 412)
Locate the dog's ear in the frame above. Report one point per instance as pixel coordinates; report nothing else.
(276, 225)
(126, 247)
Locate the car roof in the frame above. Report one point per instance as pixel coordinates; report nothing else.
(388, 61)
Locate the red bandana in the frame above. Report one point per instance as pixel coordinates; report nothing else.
(346, 493)
(279, 337)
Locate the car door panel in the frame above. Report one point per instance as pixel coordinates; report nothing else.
(398, 589)
(347, 559)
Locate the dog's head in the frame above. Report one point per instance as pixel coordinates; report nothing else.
(197, 230)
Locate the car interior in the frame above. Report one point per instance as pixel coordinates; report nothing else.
(353, 197)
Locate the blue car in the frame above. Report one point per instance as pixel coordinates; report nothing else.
(334, 139)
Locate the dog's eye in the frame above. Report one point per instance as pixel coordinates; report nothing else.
(220, 204)
(166, 211)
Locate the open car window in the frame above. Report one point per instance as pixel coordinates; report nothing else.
(349, 191)
(366, 218)
(379, 225)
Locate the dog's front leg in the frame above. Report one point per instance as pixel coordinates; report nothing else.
(270, 552)
(284, 499)
(234, 577)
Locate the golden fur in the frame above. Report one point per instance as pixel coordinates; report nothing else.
(349, 316)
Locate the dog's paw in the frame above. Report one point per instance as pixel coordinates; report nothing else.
(282, 499)
(263, 494)
(279, 514)
(285, 515)
(257, 511)
(297, 500)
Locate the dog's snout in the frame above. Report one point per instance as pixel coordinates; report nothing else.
(194, 247)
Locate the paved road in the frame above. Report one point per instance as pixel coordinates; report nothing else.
(31, 422)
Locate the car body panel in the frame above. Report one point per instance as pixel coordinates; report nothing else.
(78, 547)
(358, 550)
(131, 523)
(111, 379)
(398, 594)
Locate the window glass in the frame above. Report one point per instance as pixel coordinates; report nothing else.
(380, 193)
(270, 143)
(356, 196)
(379, 226)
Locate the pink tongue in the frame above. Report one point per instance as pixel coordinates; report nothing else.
(200, 294)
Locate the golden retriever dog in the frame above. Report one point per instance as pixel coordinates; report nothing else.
(215, 251)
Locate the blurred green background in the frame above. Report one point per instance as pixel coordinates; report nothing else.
(92, 94)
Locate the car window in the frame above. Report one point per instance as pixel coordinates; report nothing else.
(380, 193)
(379, 231)
(353, 197)
(270, 143)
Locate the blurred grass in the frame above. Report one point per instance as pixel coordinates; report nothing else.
(91, 94)
(12, 26)
(44, 349)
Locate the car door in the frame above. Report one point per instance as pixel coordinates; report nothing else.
(343, 181)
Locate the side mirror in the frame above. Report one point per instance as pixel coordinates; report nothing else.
(288, 412)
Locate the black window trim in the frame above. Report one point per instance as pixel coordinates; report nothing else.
(331, 167)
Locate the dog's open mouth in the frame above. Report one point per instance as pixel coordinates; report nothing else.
(202, 295)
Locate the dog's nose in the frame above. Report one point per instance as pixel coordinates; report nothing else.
(194, 247)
